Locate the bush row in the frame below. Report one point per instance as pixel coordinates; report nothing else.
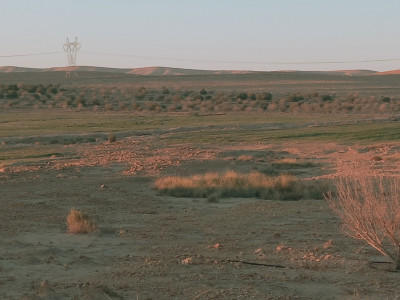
(164, 99)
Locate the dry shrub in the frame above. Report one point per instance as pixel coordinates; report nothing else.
(369, 207)
(112, 138)
(291, 163)
(234, 184)
(80, 222)
(245, 158)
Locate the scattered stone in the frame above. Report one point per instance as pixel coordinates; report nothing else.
(280, 248)
(328, 244)
(217, 246)
(258, 251)
(376, 158)
(187, 261)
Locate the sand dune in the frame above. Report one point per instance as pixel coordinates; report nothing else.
(393, 72)
(167, 71)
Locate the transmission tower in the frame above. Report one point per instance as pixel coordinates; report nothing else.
(71, 48)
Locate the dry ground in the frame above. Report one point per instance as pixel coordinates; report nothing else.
(158, 247)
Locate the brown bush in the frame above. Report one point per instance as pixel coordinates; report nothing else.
(233, 184)
(79, 222)
(370, 210)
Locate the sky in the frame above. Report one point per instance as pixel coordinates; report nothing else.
(262, 35)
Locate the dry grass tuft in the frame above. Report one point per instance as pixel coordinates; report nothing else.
(79, 222)
(111, 138)
(234, 184)
(245, 158)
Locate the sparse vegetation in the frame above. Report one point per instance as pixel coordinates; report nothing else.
(80, 222)
(290, 135)
(234, 184)
(168, 99)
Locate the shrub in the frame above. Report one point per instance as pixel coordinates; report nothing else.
(112, 138)
(295, 97)
(370, 210)
(326, 98)
(264, 96)
(165, 91)
(243, 96)
(203, 92)
(79, 222)
(12, 94)
(232, 184)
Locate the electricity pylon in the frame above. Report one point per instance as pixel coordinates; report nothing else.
(71, 49)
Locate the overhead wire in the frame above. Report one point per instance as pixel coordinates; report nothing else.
(31, 54)
(211, 61)
(245, 62)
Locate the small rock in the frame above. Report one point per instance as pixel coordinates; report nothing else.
(259, 251)
(328, 244)
(376, 158)
(280, 248)
(217, 246)
(187, 261)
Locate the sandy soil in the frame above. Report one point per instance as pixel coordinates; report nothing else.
(156, 247)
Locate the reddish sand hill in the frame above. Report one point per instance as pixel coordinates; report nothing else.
(12, 69)
(393, 72)
(167, 71)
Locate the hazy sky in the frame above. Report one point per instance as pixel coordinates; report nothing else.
(204, 34)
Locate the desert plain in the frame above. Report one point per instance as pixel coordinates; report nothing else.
(99, 143)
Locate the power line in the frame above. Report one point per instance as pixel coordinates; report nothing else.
(31, 54)
(213, 61)
(246, 62)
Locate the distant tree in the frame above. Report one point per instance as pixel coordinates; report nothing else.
(243, 96)
(203, 92)
(41, 90)
(12, 94)
(140, 93)
(326, 98)
(12, 87)
(52, 89)
(295, 98)
(264, 96)
(80, 100)
(165, 90)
